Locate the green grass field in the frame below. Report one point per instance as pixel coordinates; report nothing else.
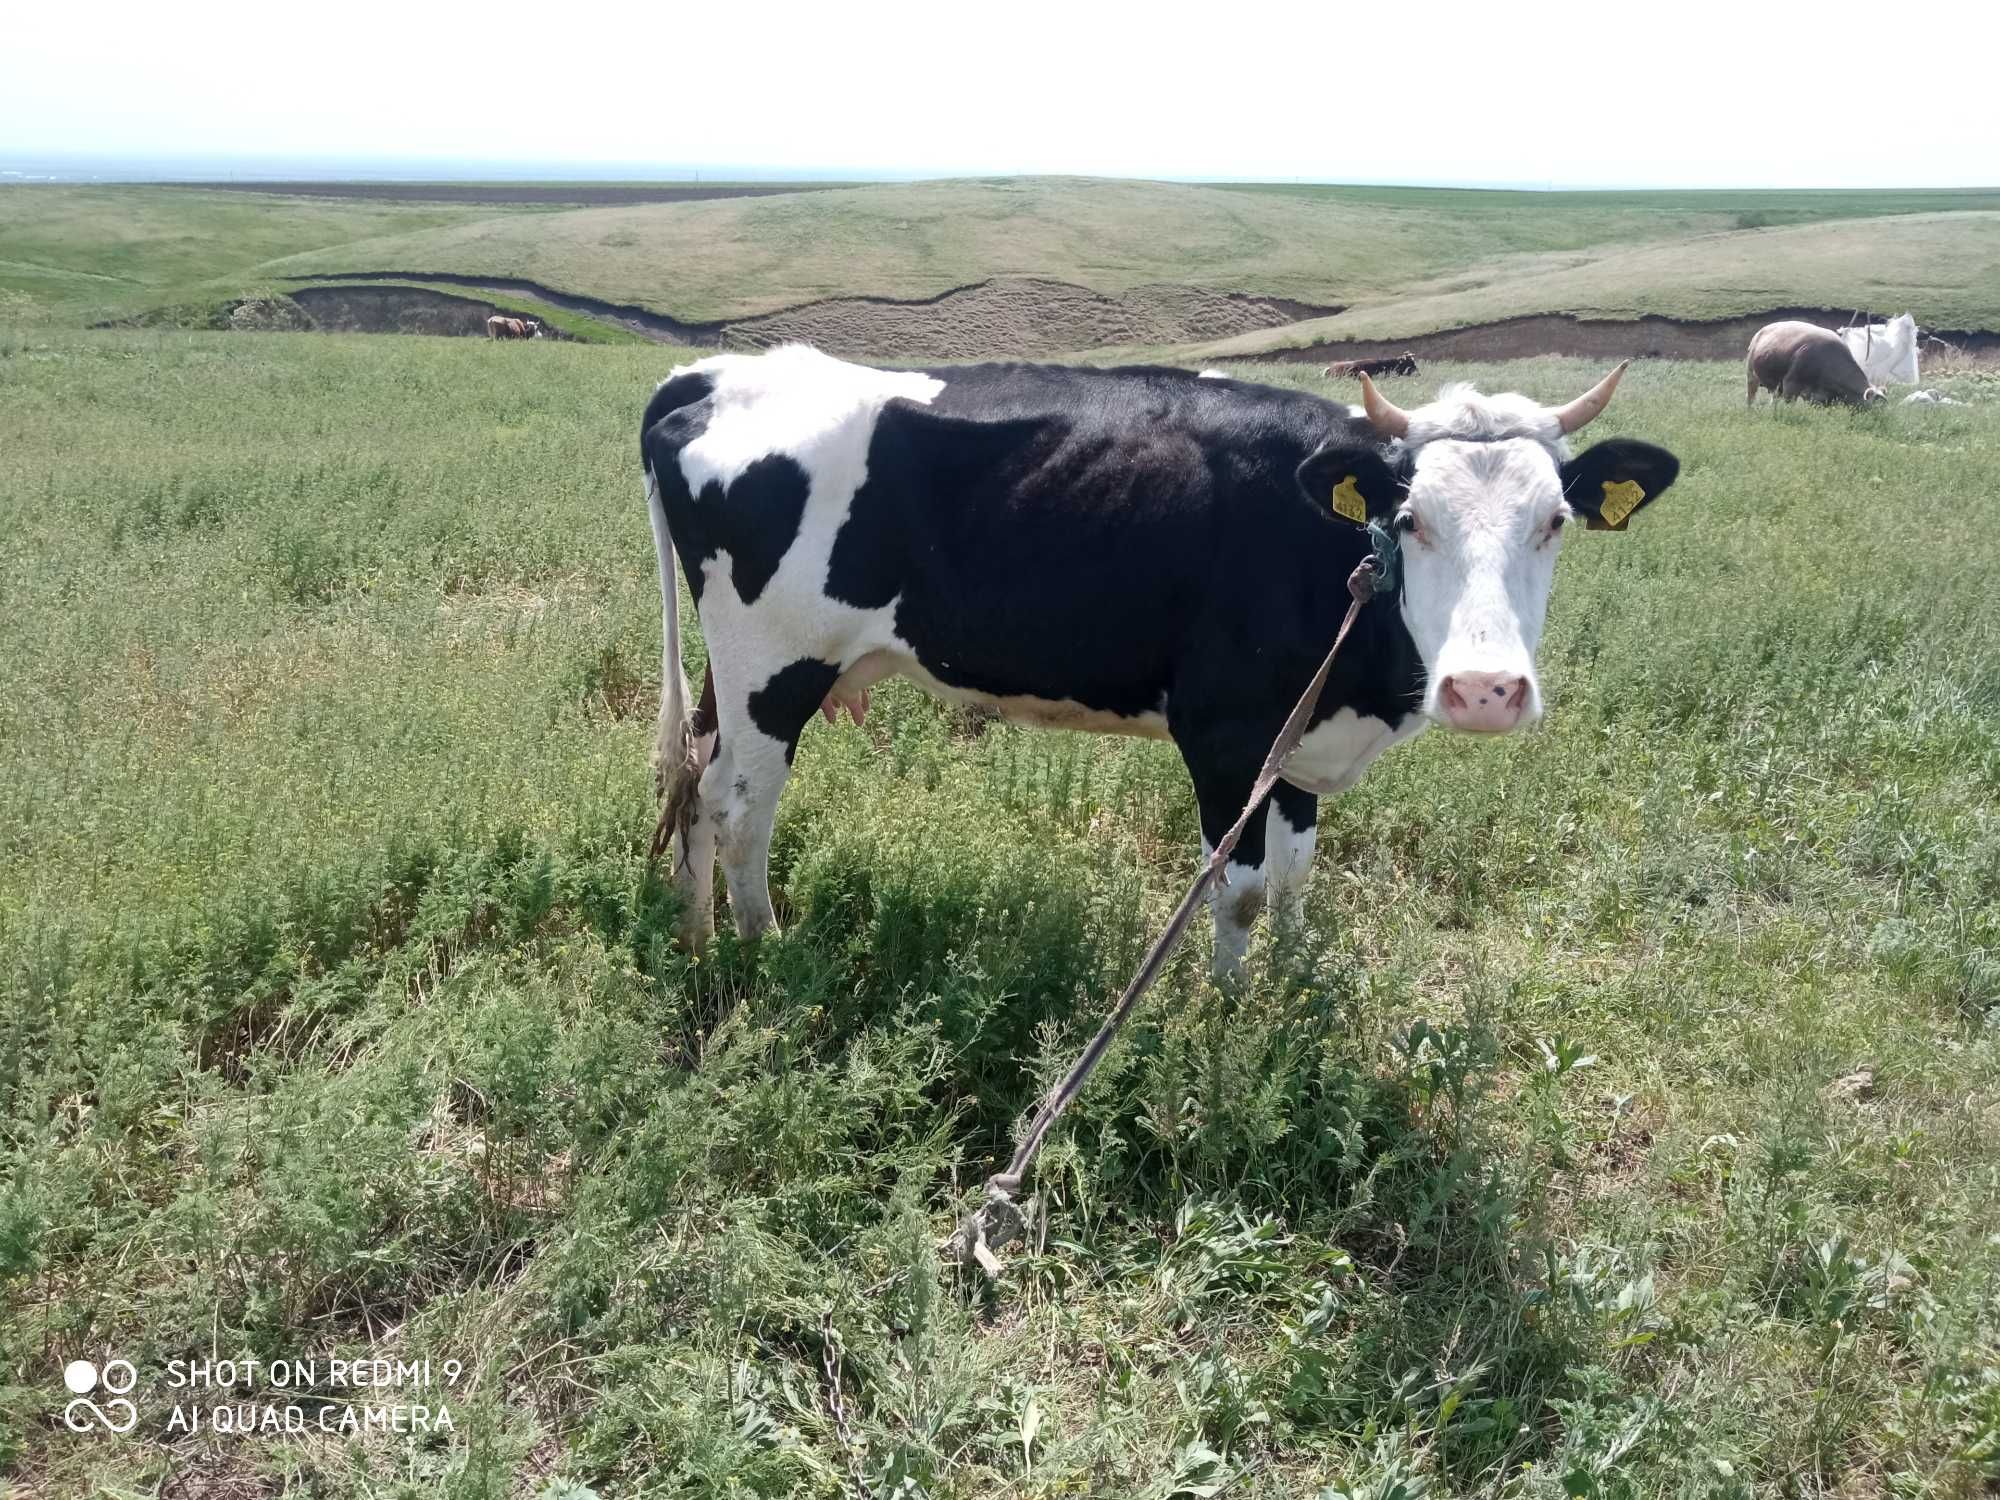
(1625, 1122)
(73, 256)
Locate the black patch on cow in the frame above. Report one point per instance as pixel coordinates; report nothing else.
(789, 698)
(703, 723)
(671, 396)
(1616, 461)
(1299, 808)
(916, 452)
(756, 520)
(670, 429)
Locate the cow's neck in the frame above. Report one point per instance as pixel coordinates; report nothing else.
(1379, 673)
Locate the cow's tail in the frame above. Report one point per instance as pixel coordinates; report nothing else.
(676, 754)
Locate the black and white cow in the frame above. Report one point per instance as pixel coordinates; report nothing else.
(1137, 551)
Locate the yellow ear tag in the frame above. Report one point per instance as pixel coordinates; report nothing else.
(1620, 500)
(1347, 502)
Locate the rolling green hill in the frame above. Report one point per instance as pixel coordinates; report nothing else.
(1944, 265)
(1399, 261)
(740, 257)
(76, 255)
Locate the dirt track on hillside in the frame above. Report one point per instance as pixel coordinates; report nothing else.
(1028, 318)
(1648, 337)
(1015, 317)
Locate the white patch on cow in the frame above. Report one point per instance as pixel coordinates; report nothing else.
(1288, 857)
(1235, 907)
(1486, 494)
(1335, 751)
(799, 402)
(1213, 375)
(1886, 352)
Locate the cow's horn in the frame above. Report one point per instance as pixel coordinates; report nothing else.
(1384, 415)
(1591, 402)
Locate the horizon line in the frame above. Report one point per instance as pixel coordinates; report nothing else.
(199, 168)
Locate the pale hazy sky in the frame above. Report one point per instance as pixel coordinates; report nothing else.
(1750, 93)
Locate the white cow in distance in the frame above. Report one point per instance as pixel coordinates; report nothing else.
(1887, 352)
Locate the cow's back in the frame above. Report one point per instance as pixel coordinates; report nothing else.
(1775, 345)
(1802, 359)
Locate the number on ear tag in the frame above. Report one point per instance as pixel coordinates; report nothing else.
(1347, 502)
(1620, 500)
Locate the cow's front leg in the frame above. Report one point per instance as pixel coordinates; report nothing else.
(1291, 832)
(1221, 787)
(1235, 907)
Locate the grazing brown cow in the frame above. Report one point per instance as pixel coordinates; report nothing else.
(1794, 359)
(499, 327)
(1393, 364)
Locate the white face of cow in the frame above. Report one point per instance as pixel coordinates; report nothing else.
(1480, 528)
(1490, 488)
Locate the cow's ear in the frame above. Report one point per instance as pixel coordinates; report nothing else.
(1355, 483)
(1609, 481)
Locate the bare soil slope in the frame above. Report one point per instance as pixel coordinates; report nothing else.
(1018, 318)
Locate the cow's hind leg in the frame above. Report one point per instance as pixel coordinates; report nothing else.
(741, 787)
(694, 845)
(694, 876)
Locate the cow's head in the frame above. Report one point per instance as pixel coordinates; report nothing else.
(1482, 489)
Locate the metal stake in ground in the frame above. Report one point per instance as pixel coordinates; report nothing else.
(997, 1221)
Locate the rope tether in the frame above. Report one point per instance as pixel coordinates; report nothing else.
(997, 1221)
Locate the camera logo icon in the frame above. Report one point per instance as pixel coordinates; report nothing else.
(116, 1379)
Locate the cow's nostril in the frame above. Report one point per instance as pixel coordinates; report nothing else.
(1491, 701)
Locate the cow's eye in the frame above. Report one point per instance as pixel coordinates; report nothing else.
(1557, 521)
(1406, 524)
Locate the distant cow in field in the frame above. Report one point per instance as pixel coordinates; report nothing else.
(1133, 551)
(1887, 352)
(499, 327)
(1392, 364)
(1793, 360)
